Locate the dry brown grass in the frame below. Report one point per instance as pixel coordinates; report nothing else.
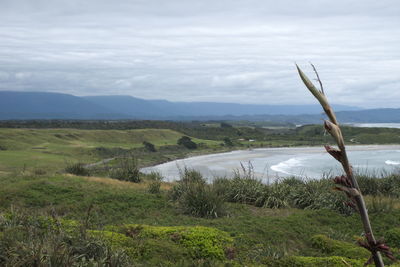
(393, 202)
(121, 184)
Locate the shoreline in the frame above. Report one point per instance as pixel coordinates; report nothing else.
(224, 163)
(308, 149)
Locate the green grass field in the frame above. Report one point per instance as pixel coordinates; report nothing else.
(53, 149)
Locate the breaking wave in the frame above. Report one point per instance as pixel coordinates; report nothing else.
(392, 162)
(288, 166)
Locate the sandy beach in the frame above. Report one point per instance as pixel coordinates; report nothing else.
(273, 163)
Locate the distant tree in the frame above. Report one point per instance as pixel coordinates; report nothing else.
(149, 146)
(228, 141)
(187, 142)
(226, 125)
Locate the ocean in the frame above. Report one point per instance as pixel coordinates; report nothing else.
(270, 164)
(380, 125)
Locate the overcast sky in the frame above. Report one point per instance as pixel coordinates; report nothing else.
(210, 50)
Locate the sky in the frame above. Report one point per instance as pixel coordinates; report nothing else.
(240, 51)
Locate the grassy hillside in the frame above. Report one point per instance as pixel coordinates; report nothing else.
(52, 149)
(66, 220)
(258, 235)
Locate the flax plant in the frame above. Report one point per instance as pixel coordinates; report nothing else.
(347, 183)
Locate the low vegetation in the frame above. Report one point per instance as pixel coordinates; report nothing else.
(52, 213)
(127, 223)
(187, 142)
(197, 198)
(77, 169)
(155, 180)
(126, 170)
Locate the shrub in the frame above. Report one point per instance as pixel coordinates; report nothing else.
(187, 142)
(381, 204)
(188, 176)
(225, 125)
(155, 182)
(392, 237)
(201, 242)
(127, 171)
(246, 190)
(391, 185)
(277, 196)
(333, 261)
(303, 196)
(244, 187)
(228, 142)
(291, 192)
(149, 146)
(200, 200)
(332, 247)
(154, 187)
(112, 238)
(155, 250)
(77, 169)
(29, 240)
(382, 184)
(369, 185)
(318, 194)
(154, 176)
(221, 186)
(195, 197)
(115, 241)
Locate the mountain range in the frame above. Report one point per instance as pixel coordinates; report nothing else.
(44, 105)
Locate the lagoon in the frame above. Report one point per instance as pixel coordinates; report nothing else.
(270, 164)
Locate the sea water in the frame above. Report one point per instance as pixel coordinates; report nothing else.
(270, 164)
(379, 125)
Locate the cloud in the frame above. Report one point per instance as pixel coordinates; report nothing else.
(228, 51)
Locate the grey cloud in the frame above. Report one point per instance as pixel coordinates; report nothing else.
(230, 51)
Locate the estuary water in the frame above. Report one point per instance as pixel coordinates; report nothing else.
(270, 164)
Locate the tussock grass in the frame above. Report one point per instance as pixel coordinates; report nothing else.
(195, 197)
(258, 232)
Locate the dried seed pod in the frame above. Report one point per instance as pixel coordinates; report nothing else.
(336, 153)
(335, 132)
(342, 180)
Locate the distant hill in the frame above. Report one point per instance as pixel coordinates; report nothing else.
(34, 105)
(40, 105)
(128, 105)
(162, 108)
(384, 115)
(371, 115)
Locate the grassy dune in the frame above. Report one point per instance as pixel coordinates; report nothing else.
(52, 149)
(52, 139)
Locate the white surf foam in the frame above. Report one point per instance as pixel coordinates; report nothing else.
(392, 162)
(287, 166)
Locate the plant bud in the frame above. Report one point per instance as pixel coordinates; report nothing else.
(335, 132)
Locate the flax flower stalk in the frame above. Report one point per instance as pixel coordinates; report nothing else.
(347, 183)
